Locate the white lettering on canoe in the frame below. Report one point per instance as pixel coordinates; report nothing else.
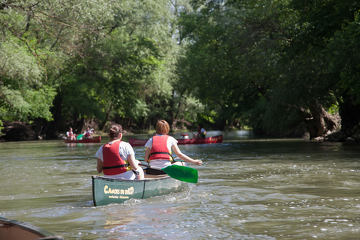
(117, 191)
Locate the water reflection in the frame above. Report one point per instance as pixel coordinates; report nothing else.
(238, 134)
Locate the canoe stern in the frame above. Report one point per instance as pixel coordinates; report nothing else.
(107, 190)
(158, 187)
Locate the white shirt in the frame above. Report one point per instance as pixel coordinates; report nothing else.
(161, 163)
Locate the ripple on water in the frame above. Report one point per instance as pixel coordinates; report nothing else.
(247, 190)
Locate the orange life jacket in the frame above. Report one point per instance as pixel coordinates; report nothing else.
(159, 148)
(113, 164)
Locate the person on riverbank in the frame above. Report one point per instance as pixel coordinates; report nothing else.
(116, 159)
(70, 135)
(159, 148)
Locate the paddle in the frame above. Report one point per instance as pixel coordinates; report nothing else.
(182, 173)
(79, 137)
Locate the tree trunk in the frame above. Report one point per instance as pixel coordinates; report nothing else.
(319, 122)
(350, 115)
(52, 128)
(175, 109)
(102, 125)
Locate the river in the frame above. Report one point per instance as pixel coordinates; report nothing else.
(248, 189)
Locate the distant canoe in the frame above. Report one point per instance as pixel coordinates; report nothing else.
(208, 140)
(182, 141)
(96, 139)
(14, 230)
(107, 190)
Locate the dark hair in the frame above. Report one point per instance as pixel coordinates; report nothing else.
(162, 127)
(115, 130)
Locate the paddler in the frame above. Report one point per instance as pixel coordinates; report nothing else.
(70, 134)
(159, 148)
(116, 159)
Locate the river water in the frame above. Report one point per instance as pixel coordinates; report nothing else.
(248, 189)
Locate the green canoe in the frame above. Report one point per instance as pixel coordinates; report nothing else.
(107, 190)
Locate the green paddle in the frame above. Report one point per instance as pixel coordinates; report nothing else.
(182, 173)
(79, 137)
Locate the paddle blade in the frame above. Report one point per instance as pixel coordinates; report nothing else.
(182, 173)
(79, 137)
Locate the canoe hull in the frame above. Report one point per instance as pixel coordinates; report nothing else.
(209, 140)
(96, 139)
(107, 190)
(137, 142)
(14, 230)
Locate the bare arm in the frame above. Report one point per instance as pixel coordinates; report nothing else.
(99, 165)
(147, 154)
(182, 156)
(134, 164)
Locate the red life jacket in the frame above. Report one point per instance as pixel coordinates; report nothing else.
(112, 162)
(159, 148)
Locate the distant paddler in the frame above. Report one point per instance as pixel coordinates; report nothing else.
(88, 132)
(201, 132)
(70, 134)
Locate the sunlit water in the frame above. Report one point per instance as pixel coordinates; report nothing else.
(248, 189)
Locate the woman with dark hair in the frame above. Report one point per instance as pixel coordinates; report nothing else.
(159, 148)
(116, 159)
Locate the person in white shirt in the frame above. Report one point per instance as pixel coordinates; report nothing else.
(70, 135)
(116, 159)
(159, 148)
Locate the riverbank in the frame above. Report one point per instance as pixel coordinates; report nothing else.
(19, 131)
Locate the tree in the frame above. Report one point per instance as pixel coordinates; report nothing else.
(126, 67)
(267, 63)
(322, 25)
(25, 92)
(231, 59)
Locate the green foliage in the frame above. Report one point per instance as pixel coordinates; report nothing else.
(26, 104)
(22, 91)
(343, 62)
(334, 109)
(268, 63)
(18, 64)
(259, 63)
(125, 64)
(1, 124)
(232, 58)
(207, 118)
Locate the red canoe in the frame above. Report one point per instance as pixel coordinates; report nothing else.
(96, 139)
(181, 141)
